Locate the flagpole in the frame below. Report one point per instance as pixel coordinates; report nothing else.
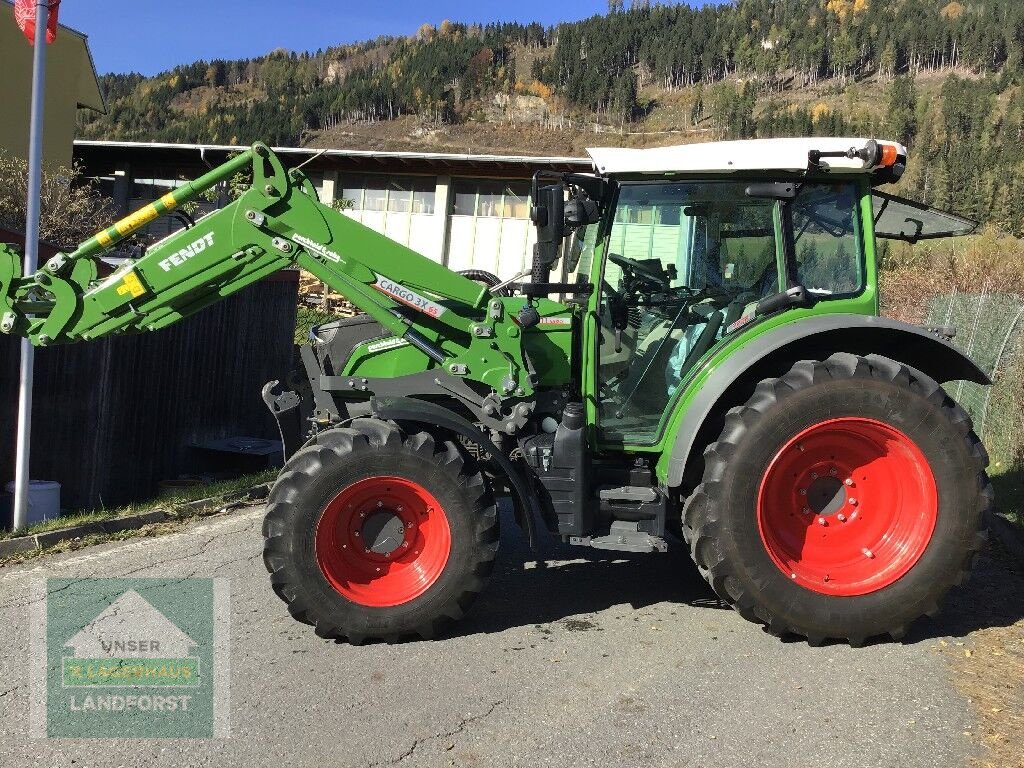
(35, 165)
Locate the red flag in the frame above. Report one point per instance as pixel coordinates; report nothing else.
(25, 17)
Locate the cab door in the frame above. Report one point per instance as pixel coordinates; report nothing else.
(682, 262)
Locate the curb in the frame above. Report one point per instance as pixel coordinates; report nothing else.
(15, 546)
(1010, 535)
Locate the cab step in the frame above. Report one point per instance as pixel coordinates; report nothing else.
(623, 536)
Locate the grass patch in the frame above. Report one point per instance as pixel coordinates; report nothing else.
(173, 505)
(1009, 488)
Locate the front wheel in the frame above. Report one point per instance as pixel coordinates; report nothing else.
(842, 501)
(372, 533)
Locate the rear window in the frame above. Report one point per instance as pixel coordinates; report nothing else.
(897, 218)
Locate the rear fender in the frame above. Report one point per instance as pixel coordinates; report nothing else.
(814, 338)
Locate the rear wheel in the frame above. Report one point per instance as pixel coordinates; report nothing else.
(842, 501)
(374, 534)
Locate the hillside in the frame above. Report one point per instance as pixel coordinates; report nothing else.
(944, 77)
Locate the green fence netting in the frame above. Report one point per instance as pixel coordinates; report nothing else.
(990, 329)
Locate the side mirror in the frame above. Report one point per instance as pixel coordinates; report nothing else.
(581, 211)
(548, 214)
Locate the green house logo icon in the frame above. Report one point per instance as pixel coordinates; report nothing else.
(131, 644)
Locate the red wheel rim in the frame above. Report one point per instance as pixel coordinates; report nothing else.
(382, 541)
(847, 507)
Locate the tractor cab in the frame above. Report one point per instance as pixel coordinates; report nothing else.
(687, 247)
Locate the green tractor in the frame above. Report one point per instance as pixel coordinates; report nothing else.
(708, 361)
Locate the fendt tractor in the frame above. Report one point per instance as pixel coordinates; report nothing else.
(709, 362)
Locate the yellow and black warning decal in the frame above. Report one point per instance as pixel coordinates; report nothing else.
(131, 285)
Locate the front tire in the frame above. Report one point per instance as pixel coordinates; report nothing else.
(843, 500)
(375, 534)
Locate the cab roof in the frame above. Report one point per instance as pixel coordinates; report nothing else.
(735, 156)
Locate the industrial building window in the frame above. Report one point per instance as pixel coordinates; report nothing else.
(395, 194)
(151, 189)
(495, 199)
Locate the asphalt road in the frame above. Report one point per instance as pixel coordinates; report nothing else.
(584, 658)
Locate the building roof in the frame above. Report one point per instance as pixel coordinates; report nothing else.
(88, 91)
(731, 156)
(367, 160)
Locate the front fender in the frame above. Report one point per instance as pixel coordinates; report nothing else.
(815, 338)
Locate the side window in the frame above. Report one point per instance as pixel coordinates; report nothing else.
(828, 250)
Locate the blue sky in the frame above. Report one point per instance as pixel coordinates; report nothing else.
(149, 37)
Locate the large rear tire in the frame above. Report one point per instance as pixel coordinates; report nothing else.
(843, 500)
(374, 534)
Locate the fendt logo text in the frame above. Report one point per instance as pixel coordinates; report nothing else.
(188, 252)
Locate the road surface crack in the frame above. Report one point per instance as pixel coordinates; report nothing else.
(461, 727)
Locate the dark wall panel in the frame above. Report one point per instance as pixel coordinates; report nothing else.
(114, 417)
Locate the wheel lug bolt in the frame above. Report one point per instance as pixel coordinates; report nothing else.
(814, 475)
(399, 508)
(833, 471)
(806, 510)
(848, 481)
(378, 570)
(842, 518)
(408, 525)
(853, 501)
(792, 575)
(380, 504)
(822, 521)
(803, 491)
(868, 553)
(362, 514)
(405, 544)
(355, 533)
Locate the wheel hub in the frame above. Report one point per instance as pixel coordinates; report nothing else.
(826, 495)
(383, 532)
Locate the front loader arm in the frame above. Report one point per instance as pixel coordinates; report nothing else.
(278, 222)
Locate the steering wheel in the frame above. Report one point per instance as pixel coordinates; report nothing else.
(640, 271)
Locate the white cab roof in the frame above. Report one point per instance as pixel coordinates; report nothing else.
(732, 156)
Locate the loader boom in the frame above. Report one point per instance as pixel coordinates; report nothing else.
(279, 221)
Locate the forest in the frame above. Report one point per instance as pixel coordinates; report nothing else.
(944, 77)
